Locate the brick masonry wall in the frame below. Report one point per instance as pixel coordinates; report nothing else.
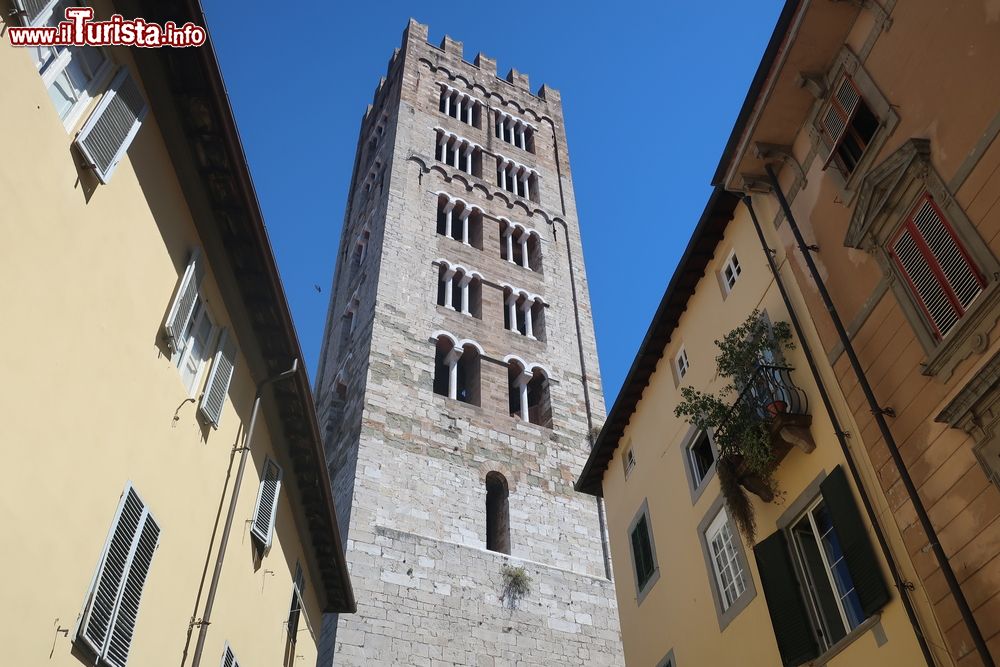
(409, 466)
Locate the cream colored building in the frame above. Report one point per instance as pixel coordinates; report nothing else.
(143, 312)
(691, 590)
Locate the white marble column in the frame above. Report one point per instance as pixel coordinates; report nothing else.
(458, 107)
(443, 143)
(508, 234)
(464, 284)
(447, 217)
(523, 240)
(512, 310)
(503, 176)
(522, 389)
(465, 224)
(449, 275)
(468, 158)
(526, 307)
(452, 360)
(447, 102)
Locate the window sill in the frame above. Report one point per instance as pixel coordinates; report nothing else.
(970, 334)
(848, 639)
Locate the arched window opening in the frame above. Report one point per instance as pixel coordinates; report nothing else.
(524, 313)
(457, 371)
(460, 106)
(460, 290)
(539, 404)
(517, 179)
(520, 246)
(497, 513)
(460, 221)
(514, 131)
(459, 153)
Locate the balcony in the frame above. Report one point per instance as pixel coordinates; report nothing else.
(772, 398)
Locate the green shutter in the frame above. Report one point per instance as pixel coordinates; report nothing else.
(642, 552)
(789, 619)
(852, 532)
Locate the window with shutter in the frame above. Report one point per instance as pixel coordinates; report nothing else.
(106, 135)
(267, 503)
(184, 302)
(937, 269)
(112, 607)
(229, 658)
(847, 126)
(217, 387)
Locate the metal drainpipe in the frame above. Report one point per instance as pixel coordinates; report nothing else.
(206, 618)
(911, 490)
(601, 513)
(902, 586)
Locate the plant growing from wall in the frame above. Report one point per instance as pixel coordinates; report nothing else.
(741, 435)
(515, 584)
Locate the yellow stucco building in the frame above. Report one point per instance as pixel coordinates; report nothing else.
(144, 316)
(868, 144)
(693, 590)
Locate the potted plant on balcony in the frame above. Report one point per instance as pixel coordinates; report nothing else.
(738, 414)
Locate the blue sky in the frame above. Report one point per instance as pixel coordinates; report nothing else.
(650, 92)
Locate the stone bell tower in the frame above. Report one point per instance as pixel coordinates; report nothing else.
(458, 381)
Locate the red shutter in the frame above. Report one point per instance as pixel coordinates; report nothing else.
(936, 266)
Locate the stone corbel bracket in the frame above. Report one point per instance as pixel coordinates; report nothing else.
(778, 153)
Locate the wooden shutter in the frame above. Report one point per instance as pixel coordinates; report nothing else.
(789, 619)
(217, 387)
(939, 271)
(866, 572)
(267, 503)
(642, 552)
(110, 129)
(33, 11)
(184, 300)
(113, 605)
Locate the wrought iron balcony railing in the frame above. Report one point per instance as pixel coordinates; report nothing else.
(770, 392)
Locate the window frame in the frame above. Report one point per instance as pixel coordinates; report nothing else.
(680, 372)
(847, 63)
(643, 589)
(804, 576)
(908, 224)
(732, 263)
(695, 486)
(628, 461)
(199, 311)
(725, 612)
(52, 69)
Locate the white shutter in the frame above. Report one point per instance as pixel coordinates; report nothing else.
(925, 283)
(33, 12)
(110, 129)
(267, 503)
(961, 275)
(229, 658)
(184, 300)
(113, 604)
(217, 387)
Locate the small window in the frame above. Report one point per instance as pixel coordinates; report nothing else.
(642, 553)
(628, 461)
(847, 126)
(726, 564)
(936, 267)
(731, 272)
(497, 513)
(266, 508)
(701, 457)
(681, 363)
